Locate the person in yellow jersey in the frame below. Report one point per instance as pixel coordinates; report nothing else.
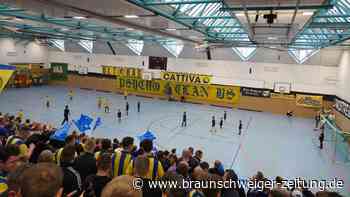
(106, 146)
(70, 140)
(125, 95)
(70, 95)
(19, 140)
(155, 170)
(20, 114)
(122, 157)
(99, 102)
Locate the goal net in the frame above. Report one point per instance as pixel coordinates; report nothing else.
(337, 141)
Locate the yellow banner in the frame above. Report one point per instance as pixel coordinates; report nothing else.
(185, 77)
(309, 101)
(195, 92)
(5, 74)
(122, 71)
(283, 96)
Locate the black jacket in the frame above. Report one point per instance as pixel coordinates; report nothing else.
(71, 179)
(86, 165)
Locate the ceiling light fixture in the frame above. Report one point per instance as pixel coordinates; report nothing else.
(170, 29)
(131, 16)
(79, 17)
(272, 38)
(18, 19)
(307, 13)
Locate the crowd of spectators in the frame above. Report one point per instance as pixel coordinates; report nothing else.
(33, 165)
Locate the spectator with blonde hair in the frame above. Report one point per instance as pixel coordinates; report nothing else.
(45, 156)
(86, 162)
(121, 186)
(41, 180)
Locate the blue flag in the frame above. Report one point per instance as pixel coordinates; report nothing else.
(83, 123)
(97, 123)
(61, 133)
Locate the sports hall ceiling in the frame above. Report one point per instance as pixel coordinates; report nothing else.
(221, 23)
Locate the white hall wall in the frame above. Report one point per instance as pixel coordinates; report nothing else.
(343, 82)
(304, 78)
(14, 51)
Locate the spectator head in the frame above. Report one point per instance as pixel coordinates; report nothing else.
(183, 168)
(127, 143)
(191, 150)
(204, 165)
(278, 193)
(212, 191)
(166, 154)
(106, 144)
(41, 180)
(89, 145)
(175, 178)
(70, 140)
(23, 133)
(14, 178)
(104, 162)
(68, 153)
(327, 194)
(259, 176)
(9, 158)
(230, 175)
(173, 151)
(147, 145)
(199, 154)
(121, 186)
(45, 156)
(66, 107)
(141, 166)
(297, 193)
(198, 173)
(172, 159)
(186, 155)
(279, 179)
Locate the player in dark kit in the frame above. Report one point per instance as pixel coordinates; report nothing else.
(184, 120)
(47, 102)
(65, 115)
(119, 115)
(221, 123)
(213, 122)
(240, 127)
(321, 139)
(225, 115)
(138, 106)
(317, 120)
(127, 108)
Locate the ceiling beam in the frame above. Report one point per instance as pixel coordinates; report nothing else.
(292, 21)
(278, 7)
(116, 21)
(249, 24)
(181, 2)
(324, 25)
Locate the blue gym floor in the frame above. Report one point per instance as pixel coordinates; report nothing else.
(270, 143)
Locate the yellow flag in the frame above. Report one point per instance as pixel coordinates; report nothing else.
(5, 74)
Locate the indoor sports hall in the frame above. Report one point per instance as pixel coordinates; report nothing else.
(98, 95)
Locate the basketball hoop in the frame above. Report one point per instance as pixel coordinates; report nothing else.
(282, 90)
